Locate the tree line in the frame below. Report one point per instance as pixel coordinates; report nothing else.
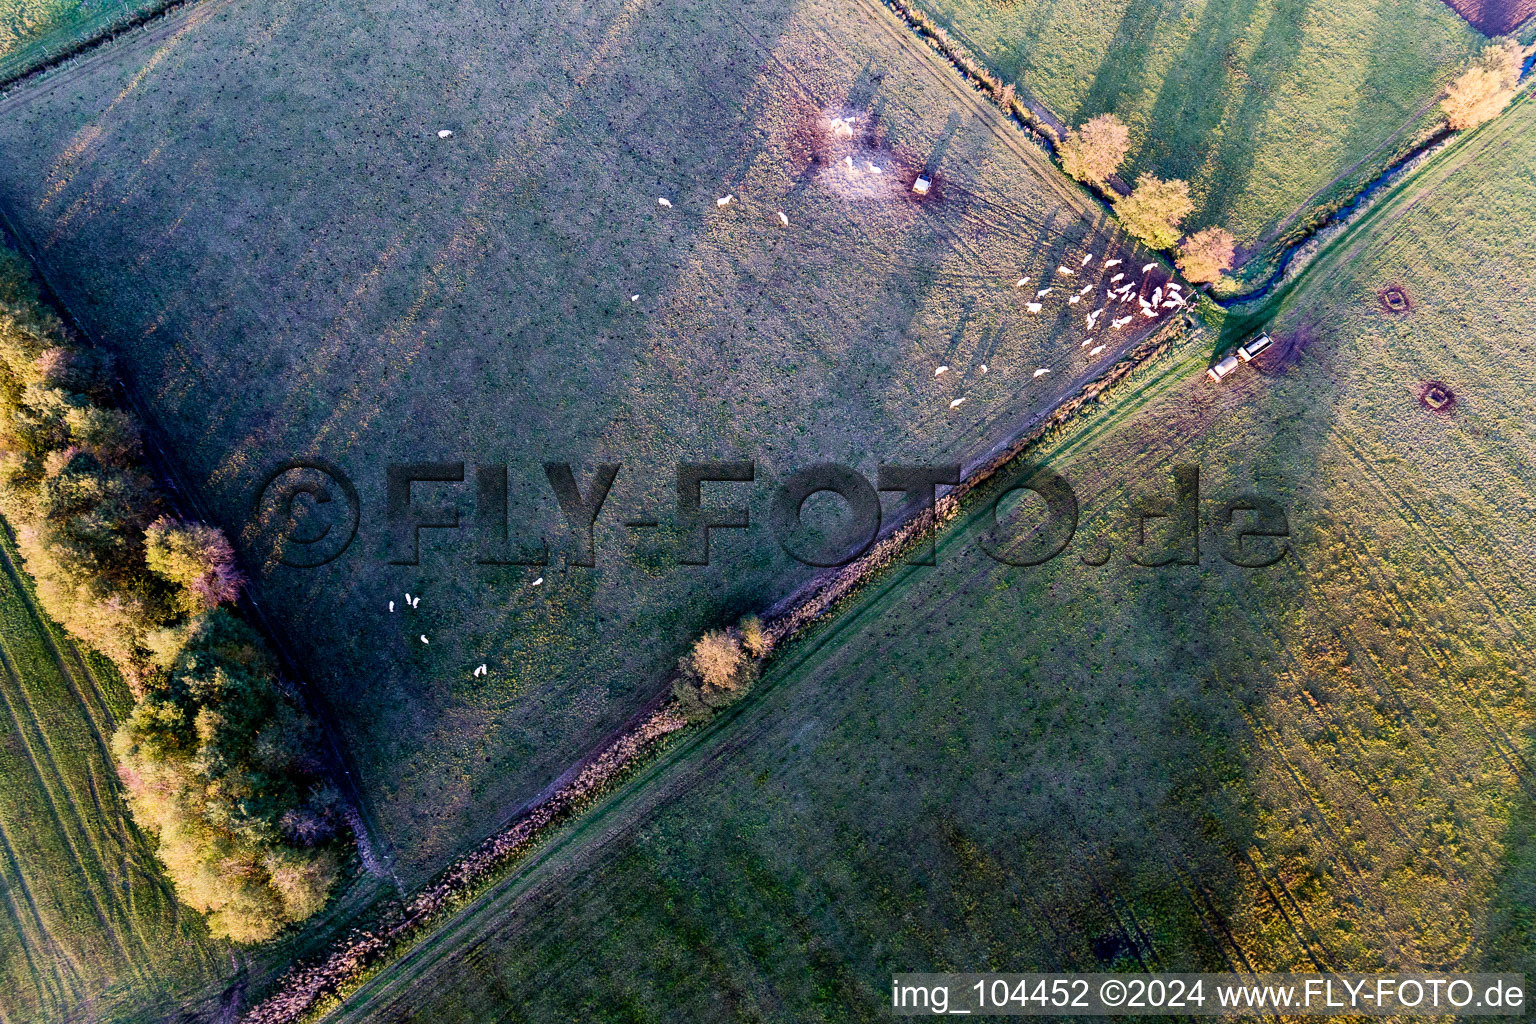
(217, 755)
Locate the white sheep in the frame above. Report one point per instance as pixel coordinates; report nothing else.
(482, 670)
(1066, 272)
(537, 581)
(1033, 307)
(1120, 322)
(1113, 263)
(424, 638)
(873, 168)
(664, 201)
(783, 219)
(634, 298)
(391, 607)
(940, 371)
(956, 403)
(1085, 289)
(1073, 300)
(1150, 314)
(1095, 351)
(445, 134)
(1042, 293)
(1117, 277)
(1087, 259)
(1042, 371)
(983, 367)
(1147, 267)
(724, 200)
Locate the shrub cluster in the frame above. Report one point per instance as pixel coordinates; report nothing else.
(213, 754)
(1482, 91)
(720, 669)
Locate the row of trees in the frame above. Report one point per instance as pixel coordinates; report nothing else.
(1155, 210)
(215, 756)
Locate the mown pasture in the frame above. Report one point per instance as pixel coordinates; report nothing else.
(1268, 109)
(1322, 764)
(32, 32)
(290, 263)
(91, 928)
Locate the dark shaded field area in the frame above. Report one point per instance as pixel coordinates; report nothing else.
(251, 206)
(1323, 764)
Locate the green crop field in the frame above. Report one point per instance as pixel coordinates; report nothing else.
(290, 263)
(90, 927)
(33, 32)
(1268, 109)
(1323, 764)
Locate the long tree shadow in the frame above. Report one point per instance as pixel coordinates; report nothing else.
(1125, 67)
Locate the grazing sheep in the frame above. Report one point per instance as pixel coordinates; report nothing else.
(1147, 267)
(416, 602)
(664, 201)
(983, 367)
(1095, 351)
(1157, 296)
(941, 370)
(1120, 322)
(724, 200)
(1171, 304)
(1042, 293)
(1150, 314)
(1042, 371)
(1087, 259)
(1066, 272)
(1117, 277)
(783, 219)
(391, 607)
(1085, 342)
(445, 134)
(1113, 263)
(407, 598)
(873, 168)
(956, 403)
(1175, 286)
(424, 638)
(1033, 307)
(1073, 300)
(1021, 282)
(849, 161)
(537, 581)
(1085, 289)
(482, 670)
(634, 298)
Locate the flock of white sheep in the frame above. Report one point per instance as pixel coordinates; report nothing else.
(1164, 298)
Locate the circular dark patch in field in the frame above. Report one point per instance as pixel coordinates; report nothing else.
(1437, 397)
(1394, 298)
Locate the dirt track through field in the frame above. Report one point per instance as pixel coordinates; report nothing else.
(1494, 17)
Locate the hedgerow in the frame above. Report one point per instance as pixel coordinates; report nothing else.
(213, 755)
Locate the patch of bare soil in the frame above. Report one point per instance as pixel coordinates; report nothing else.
(1493, 17)
(850, 157)
(1436, 397)
(1394, 298)
(1286, 350)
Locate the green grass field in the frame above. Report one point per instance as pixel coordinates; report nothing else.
(291, 263)
(1322, 764)
(90, 927)
(33, 32)
(1261, 106)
